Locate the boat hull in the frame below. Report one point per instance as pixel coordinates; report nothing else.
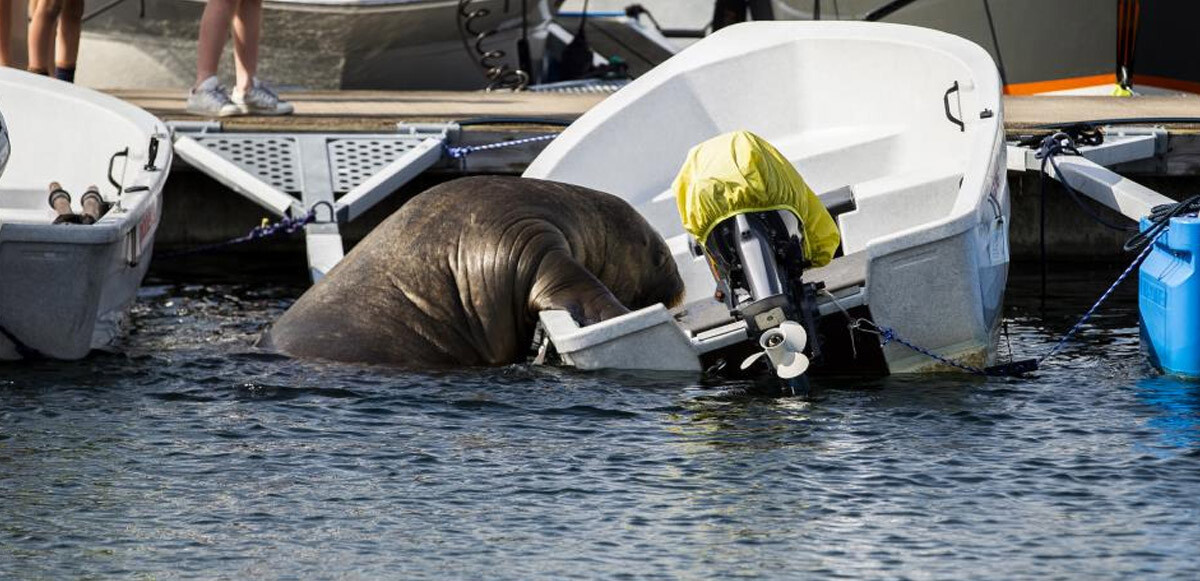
(65, 289)
(1066, 45)
(70, 298)
(319, 46)
(1060, 47)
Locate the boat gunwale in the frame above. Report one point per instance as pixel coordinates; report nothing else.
(110, 228)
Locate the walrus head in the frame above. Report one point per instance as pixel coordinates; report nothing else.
(636, 263)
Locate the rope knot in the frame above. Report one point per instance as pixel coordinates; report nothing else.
(1057, 144)
(887, 335)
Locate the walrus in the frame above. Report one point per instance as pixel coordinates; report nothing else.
(457, 276)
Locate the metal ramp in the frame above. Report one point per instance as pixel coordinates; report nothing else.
(332, 177)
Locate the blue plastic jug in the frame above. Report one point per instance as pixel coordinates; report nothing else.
(1169, 299)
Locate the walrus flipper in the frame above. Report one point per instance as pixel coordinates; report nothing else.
(561, 283)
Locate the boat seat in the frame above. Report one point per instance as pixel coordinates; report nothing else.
(26, 216)
(897, 202)
(841, 273)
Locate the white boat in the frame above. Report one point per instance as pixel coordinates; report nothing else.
(316, 44)
(902, 124)
(65, 288)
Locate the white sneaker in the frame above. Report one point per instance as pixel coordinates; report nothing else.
(260, 100)
(211, 100)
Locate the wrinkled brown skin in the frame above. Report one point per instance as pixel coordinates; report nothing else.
(457, 276)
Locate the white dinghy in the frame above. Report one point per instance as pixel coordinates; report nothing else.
(899, 131)
(65, 287)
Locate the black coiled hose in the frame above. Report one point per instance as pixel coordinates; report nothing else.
(1160, 217)
(500, 74)
(1065, 142)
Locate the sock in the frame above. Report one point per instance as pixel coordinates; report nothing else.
(42, 72)
(65, 74)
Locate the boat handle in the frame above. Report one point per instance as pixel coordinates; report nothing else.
(152, 154)
(946, 102)
(111, 162)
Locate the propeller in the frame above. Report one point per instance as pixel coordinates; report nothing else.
(783, 346)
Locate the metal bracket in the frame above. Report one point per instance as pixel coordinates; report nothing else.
(1087, 173)
(1115, 191)
(201, 127)
(1121, 145)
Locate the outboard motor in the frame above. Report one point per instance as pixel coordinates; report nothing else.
(760, 226)
(759, 263)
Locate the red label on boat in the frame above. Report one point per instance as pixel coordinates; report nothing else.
(146, 226)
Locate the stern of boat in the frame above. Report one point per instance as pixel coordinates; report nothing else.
(898, 127)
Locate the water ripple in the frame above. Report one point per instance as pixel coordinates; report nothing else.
(188, 453)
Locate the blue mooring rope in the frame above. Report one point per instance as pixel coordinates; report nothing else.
(287, 225)
(1120, 279)
(888, 334)
(1050, 147)
(461, 152)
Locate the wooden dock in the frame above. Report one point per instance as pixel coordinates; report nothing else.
(380, 110)
(1175, 173)
(348, 111)
(1025, 113)
(365, 111)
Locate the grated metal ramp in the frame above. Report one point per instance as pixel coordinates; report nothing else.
(292, 174)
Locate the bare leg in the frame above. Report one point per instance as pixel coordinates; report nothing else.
(247, 30)
(70, 24)
(214, 30)
(5, 32)
(43, 15)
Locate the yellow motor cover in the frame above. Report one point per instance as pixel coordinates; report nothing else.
(740, 172)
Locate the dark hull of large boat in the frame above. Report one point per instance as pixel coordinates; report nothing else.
(1046, 45)
(388, 45)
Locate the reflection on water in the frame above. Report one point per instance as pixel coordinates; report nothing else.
(189, 454)
(1176, 410)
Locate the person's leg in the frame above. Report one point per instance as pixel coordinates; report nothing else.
(251, 96)
(70, 25)
(43, 15)
(207, 96)
(214, 30)
(5, 32)
(247, 30)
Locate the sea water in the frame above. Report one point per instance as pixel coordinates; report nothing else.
(188, 454)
